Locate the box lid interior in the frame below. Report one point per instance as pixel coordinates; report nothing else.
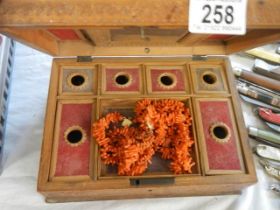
(129, 27)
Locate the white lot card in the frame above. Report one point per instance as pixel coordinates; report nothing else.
(218, 16)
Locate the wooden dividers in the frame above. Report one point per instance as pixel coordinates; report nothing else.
(108, 85)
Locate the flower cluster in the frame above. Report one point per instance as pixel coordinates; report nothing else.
(162, 126)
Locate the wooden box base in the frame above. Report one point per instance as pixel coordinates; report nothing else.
(82, 92)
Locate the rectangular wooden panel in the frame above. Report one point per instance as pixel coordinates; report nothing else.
(72, 146)
(218, 136)
(97, 13)
(159, 26)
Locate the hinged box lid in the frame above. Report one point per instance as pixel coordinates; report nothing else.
(128, 27)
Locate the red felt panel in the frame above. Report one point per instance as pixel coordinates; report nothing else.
(221, 156)
(156, 86)
(133, 85)
(74, 160)
(65, 34)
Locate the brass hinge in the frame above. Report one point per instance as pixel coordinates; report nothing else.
(199, 57)
(84, 58)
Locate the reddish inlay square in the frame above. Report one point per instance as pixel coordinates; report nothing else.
(74, 160)
(127, 79)
(176, 76)
(221, 156)
(65, 34)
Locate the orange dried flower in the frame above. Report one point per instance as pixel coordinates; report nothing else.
(159, 126)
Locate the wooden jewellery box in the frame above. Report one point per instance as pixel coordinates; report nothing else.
(112, 55)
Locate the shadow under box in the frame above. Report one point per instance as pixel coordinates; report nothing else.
(159, 167)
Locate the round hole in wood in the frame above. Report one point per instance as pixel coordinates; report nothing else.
(77, 80)
(209, 78)
(75, 135)
(123, 79)
(166, 80)
(220, 132)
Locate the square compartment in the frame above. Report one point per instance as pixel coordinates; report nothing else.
(159, 166)
(122, 80)
(208, 79)
(78, 80)
(167, 79)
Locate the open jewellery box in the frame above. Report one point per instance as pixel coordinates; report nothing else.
(113, 54)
